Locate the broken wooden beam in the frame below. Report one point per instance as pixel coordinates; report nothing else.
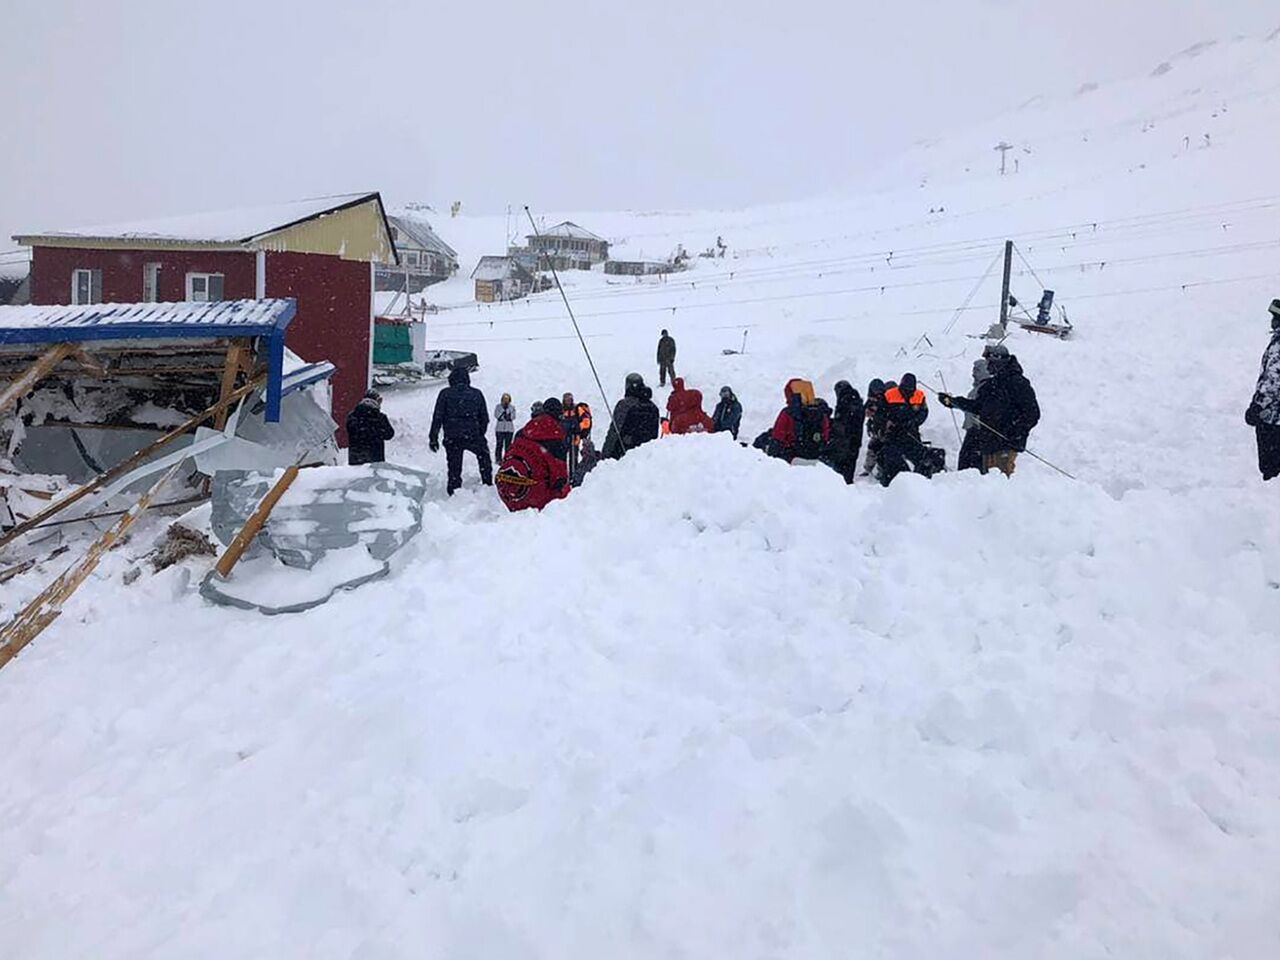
(43, 366)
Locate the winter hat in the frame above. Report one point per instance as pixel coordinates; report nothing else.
(536, 409)
(875, 388)
(552, 407)
(726, 392)
(374, 398)
(907, 385)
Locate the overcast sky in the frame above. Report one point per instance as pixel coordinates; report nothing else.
(117, 109)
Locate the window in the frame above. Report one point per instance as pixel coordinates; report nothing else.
(204, 287)
(86, 286)
(411, 257)
(150, 282)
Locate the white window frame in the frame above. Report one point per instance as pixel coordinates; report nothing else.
(411, 257)
(151, 283)
(198, 286)
(94, 285)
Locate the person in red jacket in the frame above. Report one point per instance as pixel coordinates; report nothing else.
(803, 428)
(684, 410)
(534, 471)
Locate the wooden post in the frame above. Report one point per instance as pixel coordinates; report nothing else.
(254, 524)
(34, 374)
(120, 469)
(47, 605)
(236, 355)
(1004, 287)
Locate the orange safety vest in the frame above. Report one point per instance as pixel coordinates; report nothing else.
(895, 396)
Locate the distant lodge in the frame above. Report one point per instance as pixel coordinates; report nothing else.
(566, 246)
(424, 258)
(640, 268)
(502, 278)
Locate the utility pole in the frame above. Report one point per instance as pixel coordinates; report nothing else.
(1004, 287)
(1004, 147)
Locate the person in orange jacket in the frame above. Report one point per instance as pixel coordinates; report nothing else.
(575, 418)
(684, 409)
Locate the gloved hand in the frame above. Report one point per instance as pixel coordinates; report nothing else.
(945, 399)
(1251, 416)
(433, 445)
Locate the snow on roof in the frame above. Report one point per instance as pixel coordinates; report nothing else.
(35, 323)
(496, 268)
(569, 229)
(420, 232)
(222, 226)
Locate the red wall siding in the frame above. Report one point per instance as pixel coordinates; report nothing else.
(51, 269)
(333, 319)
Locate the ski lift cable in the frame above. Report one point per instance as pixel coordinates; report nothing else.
(972, 293)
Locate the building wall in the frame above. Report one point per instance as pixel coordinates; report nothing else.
(333, 320)
(52, 267)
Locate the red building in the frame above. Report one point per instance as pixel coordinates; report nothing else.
(320, 252)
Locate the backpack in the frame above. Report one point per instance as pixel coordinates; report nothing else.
(811, 438)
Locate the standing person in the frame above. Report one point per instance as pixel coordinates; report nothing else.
(728, 414)
(875, 410)
(368, 430)
(905, 411)
(666, 358)
(533, 473)
(802, 430)
(504, 427)
(684, 410)
(1006, 410)
(636, 419)
(970, 456)
(462, 412)
(846, 431)
(1264, 410)
(576, 421)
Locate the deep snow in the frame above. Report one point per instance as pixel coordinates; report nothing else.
(714, 706)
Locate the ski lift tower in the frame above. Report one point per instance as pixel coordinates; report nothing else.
(1004, 147)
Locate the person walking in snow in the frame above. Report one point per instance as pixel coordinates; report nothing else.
(803, 429)
(846, 431)
(534, 471)
(636, 419)
(684, 410)
(1264, 410)
(368, 430)
(727, 417)
(575, 418)
(504, 427)
(463, 414)
(666, 358)
(970, 457)
(905, 411)
(1006, 410)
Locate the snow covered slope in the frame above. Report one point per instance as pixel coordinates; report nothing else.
(714, 706)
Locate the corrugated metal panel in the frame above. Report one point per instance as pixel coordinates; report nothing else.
(356, 233)
(261, 315)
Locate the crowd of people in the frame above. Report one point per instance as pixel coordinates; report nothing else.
(552, 453)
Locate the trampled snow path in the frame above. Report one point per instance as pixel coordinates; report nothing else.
(714, 706)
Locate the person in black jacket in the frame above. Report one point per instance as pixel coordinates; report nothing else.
(368, 430)
(666, 358)
(846, 431)
(728, 414)
(636, 416)
(1264, 409)
(1006, 408)
(463, 414)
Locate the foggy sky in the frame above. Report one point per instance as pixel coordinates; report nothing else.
(116, 110)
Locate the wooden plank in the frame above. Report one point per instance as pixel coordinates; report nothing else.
(235, 360)
(47, 605)
(120, 469)
(252, 526)
(34, 374)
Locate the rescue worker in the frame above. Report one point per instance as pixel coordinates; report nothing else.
(905, 411)
(728, 414)
(666, 359)
(535, 409)
(1264, 410)
(504, 427)
(803, 428)
(875, 409)
(970, 458)
(533, 473)
(684, 409)
(576, 421)
(1006, 410)
(635, 419)
(368, 430)
(463, 414)
(846, 431)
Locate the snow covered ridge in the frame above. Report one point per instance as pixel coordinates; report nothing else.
(890, 719)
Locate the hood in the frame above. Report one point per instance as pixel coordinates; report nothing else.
(543, 427)
(677, 384)
(798, 389)
(459, 377)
